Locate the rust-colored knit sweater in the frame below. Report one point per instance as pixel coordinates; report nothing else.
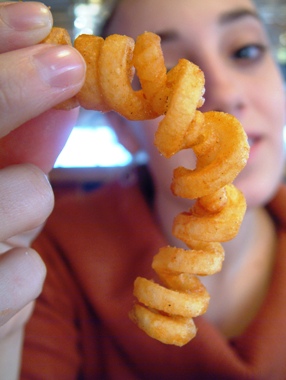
(94, 246)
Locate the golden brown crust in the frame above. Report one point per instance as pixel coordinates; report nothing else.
(58, 36)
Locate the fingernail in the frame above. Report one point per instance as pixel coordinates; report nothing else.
(22, 16)
(60, 66)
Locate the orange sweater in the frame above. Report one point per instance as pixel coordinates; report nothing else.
(94, 246)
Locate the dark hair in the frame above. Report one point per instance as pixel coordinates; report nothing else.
(108, 17)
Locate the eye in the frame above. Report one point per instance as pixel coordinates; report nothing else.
(251, 52)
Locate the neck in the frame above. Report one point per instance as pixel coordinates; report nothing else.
(246, 235)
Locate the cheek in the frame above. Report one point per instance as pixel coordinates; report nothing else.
(269, 105)
(264, 171)
(274, 114)
(269, 97)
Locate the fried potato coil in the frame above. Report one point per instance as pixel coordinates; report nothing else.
(165, 311)
(90, 96)
(111, 65)
(153, 78)
(58, 36)
(218, 163)
(155, 296)
(116, 74)
(205, 259)
(212, 225)
(177, 330)
(185, 97)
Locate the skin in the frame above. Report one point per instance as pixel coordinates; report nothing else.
(230, 45)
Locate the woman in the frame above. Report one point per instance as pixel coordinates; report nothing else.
(80, 327)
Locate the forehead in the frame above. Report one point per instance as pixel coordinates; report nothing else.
(133, 17)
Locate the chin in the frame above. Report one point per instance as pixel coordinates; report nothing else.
(259, 181)
(258, 193)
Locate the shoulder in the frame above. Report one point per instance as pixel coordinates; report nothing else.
(277, 206)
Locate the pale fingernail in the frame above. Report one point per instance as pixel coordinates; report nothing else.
(60, 66)
(22, 16)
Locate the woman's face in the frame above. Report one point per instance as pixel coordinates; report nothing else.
(227, 41)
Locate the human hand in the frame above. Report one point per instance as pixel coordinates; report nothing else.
(33, 79)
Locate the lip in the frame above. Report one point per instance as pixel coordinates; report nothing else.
(254, 142)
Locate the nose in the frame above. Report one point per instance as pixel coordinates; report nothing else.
(224, 90)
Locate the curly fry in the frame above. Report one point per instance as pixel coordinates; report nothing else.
(166, 312)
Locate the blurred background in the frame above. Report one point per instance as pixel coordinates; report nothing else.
(93, 155)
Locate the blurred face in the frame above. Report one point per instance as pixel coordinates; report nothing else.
(226, 39)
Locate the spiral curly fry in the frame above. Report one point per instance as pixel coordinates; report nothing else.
(165, 311)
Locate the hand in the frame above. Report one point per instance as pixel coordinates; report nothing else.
(33, 79)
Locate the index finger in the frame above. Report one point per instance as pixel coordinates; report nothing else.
(23, 24)
(35, 79)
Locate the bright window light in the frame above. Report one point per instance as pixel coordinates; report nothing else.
(93, 147)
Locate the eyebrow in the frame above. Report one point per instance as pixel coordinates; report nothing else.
(237, 15)
(225, 18)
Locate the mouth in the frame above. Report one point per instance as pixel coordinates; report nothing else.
(253, 140)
